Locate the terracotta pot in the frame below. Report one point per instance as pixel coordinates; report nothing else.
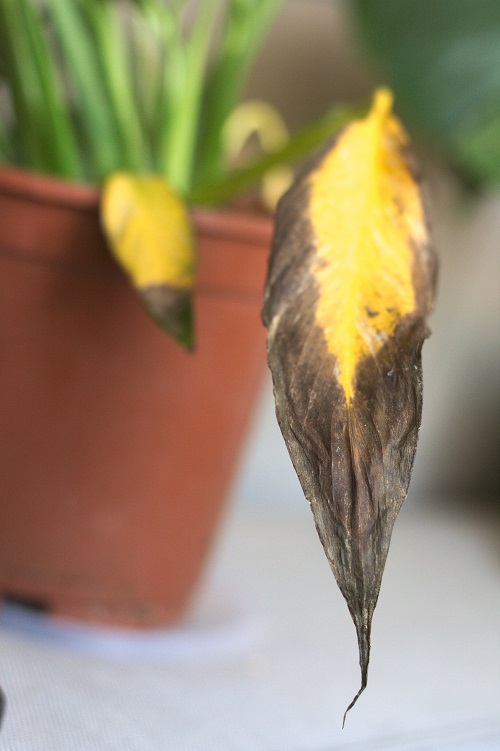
(117, 446)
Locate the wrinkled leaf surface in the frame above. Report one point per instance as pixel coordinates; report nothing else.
(349, 287)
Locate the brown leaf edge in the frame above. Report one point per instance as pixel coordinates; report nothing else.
(172, 309)
(354, 463)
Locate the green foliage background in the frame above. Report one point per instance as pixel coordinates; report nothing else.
(442, 59)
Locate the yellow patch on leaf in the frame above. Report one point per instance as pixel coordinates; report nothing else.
(149, 231)
(367, 214)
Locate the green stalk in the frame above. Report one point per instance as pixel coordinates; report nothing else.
(93, 108)
(247, 22)
(46, 135)
(300, 145)
(114, 57)
(165, 20)
(6, 151)
(60, 139)
(186, 77)
(149, 56)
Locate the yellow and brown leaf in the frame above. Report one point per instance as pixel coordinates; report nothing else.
(150, 235)
(350, 284)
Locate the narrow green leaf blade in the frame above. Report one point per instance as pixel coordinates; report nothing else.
(46, 133)
(112, 52)
(244, 30)
(300, 145)
(80, 59)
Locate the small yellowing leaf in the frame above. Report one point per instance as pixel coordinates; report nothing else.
(350, 284)
(150, 235)
(257, 118)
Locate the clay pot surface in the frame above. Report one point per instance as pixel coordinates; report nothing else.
(118, 447)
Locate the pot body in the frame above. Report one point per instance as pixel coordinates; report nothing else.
(117, 445)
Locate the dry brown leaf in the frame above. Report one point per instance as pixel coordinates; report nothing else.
(350, 284)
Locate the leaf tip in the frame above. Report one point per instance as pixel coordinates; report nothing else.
(172, 309)
(353, 702)
(382, 102)
(364, 660)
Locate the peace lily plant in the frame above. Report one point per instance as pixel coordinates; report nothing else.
(142, 98)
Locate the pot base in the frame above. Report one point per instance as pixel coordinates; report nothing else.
(105, 611)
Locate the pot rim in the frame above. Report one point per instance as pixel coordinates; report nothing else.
(41, 188)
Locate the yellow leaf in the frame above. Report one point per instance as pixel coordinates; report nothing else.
(350, 284)
(150, 235)
(256, 118)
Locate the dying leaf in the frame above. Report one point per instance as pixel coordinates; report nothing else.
(261, 120)
(350, 285)
(150, 234)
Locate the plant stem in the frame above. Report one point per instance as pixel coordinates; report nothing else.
(114, 58)
(246, 24)
(45, 129)
(149, 57)
(167, 19)
(186, 79)
(302, 143)
(94, 111)
(5, 146)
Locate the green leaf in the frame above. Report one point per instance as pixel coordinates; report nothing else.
(78, 53)
(244, 29)
(112, 53)
(442, 59)
(186, 78)
(301, 144)
(46, 134)
(5, 145)
(148, 53)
